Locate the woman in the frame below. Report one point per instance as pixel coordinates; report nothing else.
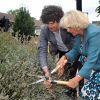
(59, 40)
(87, 43)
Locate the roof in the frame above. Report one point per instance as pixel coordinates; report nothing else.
(96, 22)
(8, 16)
(38, 23)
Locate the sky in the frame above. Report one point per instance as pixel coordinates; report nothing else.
(35, 6)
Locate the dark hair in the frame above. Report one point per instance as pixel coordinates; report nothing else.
(51, 13)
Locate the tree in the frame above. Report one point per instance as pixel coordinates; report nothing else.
(13, 12)
(5, 24)
(98, 9)
(24, 24)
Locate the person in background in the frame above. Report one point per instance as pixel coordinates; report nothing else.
(87, 43)
(60, 40)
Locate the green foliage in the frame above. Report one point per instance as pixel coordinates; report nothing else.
(13, 12)
(98, 9)
(16, 62)
(19, 67)
(24, 24)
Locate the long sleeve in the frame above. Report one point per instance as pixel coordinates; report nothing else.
(74, 52)
(93, 55)
(42, 48)
(91, 49)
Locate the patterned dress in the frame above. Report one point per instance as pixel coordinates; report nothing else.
(91, 89)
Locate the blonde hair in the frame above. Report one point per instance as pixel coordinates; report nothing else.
(74, 19)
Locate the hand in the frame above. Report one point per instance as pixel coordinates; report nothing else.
(47, 83)
(73, 83)
(61, 63)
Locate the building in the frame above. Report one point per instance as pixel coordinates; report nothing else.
(96, 22)
(38, 24)
(7, 16)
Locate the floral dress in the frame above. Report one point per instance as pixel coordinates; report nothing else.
(91, 89)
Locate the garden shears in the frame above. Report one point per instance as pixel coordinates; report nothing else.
(43, 78)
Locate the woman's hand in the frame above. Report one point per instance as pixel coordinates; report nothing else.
(47, 83)
(60, 65)
(73, 83)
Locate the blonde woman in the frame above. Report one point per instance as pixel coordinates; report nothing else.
(87, 43)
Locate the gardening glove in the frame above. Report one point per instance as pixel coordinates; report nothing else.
(61, 63)
(73, 83)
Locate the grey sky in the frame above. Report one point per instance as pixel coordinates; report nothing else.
(35, 6)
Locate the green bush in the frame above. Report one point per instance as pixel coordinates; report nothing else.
(19, 67)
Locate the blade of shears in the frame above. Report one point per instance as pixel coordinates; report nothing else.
(41, 80)
(44, 78)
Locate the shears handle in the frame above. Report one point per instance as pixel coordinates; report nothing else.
(54, 70)
(59, 82)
